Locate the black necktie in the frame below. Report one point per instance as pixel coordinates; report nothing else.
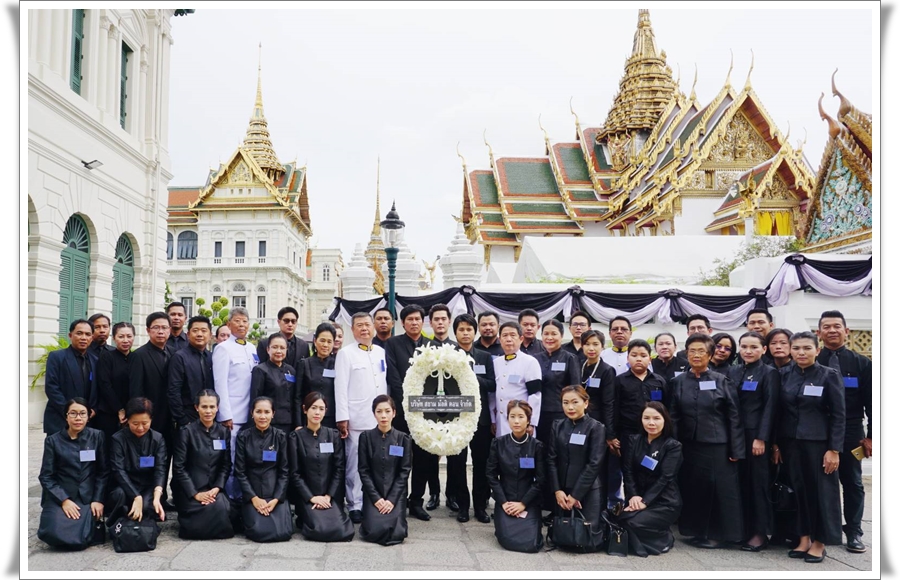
(834, 361)
(204, 367)
(85, 371)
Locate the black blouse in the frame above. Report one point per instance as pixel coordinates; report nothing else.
(201, 460)
(707, 415)
(758, 386)
(572, 465)
(312, 378)
(112, 380)
(67, 473)
(261, 463)
(667, 370)
(316, 463)
(553, 381)
(809, 414)
(599, 382)
(656, 484)
(516, 470)
(280, 385)
(632, 394)
(139, 464)
(382, 473)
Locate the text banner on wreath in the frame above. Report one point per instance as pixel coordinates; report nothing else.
(442, 404)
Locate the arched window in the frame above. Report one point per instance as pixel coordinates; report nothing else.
(123, 281)
(73, 275)
(326, 273)
(170, 245)
(187, 245)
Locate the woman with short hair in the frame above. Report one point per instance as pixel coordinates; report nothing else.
(113, 379)
(276, 380)
(316, 375)
(724, 354)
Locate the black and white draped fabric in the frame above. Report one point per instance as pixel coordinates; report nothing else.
(829, 278)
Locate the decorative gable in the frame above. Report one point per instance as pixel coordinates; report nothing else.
(844, 207)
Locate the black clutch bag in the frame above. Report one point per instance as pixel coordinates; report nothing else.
(782, 495)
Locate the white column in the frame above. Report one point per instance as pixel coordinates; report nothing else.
(44, 36)
(43, 307)
(60, 41)
(165, 46)
(98, 64)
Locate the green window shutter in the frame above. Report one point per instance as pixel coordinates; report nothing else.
(123, 84)
(65, 293)
(123, 293)
(80, 269)
(116, 302)
(77, 48)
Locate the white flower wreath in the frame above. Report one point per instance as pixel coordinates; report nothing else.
(439, 438)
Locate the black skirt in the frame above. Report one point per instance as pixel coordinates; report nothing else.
(205, 522)
(518, 534)
(649, 530)
(59, 531)
(275, 527)
(710, 490)
(755, 493)
(818, 495)
(384, 529)
(331, 525)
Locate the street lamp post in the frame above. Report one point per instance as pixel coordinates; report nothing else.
(392, 232)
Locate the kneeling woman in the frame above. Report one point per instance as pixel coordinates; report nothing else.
(316, 458)
(73, 480)
(515, 471)
(650, 471)
(139, 464)
(385, 459)
(574, 457)
(261, 469)
(201, 463)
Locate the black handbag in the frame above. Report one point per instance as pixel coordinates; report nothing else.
(617, 543)
(129, 535)
(60, 531)
(782, 496)
(98, 533)
(574, 532)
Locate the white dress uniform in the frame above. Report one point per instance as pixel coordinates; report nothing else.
(616, 359)
(232, 362)
(360, 375)
(518, 377)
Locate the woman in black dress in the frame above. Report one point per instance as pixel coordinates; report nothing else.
(574, 457)
(758, 386)
(200, 465)
(138, 464)
(778, 344)
(385, 460)
(261, 469)
(515, 472)
(598, 378)
(317, 376)
(112, 381)
(317, 465)
(667, 364)
(811, 423)
(276, 380)
(724, 353)
(73, 479)
(559, 368)
(650, 471)
(708, 423)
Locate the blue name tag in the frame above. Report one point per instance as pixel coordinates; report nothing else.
(813, 391)
(396, 451)
(270, 455)
(749, 385)
(851, 382)
(290, 378)
(383, 368)
(656, 395)
(88, 455)
(91, 376)
(255, 357)
(594, 383)
(526, 462)
(577, 438)
(149, 461)
(558, 366)
(679, 373)
(219, 444)
(326, 447)
(649, 463)
(479, 369)
(328, 373)
(707, 385)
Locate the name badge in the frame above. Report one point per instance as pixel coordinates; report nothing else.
(649, 463)
(219, 444)
(396, 451)
(326, 447)
(148, 461)
(328, 373)
(255, 358)
(558, 366)
(707, 385)
(383, 368)
(515, 379)
(290, 378)
(91, 376)
(851, 382)
(749, 385)
(577, 438)
(594, 383)
(270, 455)
(479, 369)
(813, 391)
(656, 395)
(677, 373)
(88, 455)
(526, 463)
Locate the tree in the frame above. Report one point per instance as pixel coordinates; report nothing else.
(167, 297)
(61, 343)
(758, 247)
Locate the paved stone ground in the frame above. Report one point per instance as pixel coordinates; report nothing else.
(441, 544)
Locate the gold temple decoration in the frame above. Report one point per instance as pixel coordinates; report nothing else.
(257, 141)
(375, 254)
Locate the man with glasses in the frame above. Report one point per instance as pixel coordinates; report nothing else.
(177, 337)
(298, 349)
(69, 374)
(579, 323)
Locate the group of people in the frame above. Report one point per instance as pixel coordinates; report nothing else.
(692, 437)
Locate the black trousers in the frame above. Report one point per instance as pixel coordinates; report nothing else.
(755, 493)
(850, 474)
(424, 464)
(456, 478)
(481, 448)
(818, 495)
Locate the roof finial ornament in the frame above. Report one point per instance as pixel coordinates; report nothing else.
(800, 145)
(752, 59)
(730, 67)
(678, 80)
(694, 86)
(490, 149)
(546, 137)
(460, 155)
(833, 128)
(845, 107)
(788, 136)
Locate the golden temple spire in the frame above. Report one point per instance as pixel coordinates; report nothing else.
(376, 226)
(375, 254)
(257, 141)
(752, 60)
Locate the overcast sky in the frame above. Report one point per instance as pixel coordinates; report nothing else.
(342, 87)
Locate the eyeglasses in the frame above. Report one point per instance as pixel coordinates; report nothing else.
(698, 352)
(723, 347)
(578, 324)
(158, 328)
(289, 320)
(76, 414)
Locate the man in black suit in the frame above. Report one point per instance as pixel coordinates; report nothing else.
(101, 335)
(69, 374)
(177, 339)
(190, 371)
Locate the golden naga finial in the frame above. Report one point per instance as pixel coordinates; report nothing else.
(678, 80)
(787, 137)
(752, 59)
(694, 86)
(461, 156)
(490, 149)
(833, 128)
(845, 107)
(730, 67)
(546, 137)
(799, 150)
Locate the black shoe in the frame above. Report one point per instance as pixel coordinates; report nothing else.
(433, 502)
(669, 547)
(452, 504)
(815, 559)
(419, 513)
(547, 520)
(481, 516)
(797, 554)
(709, 544)
(759, 548)
(463, 516)
(855, 545)
(356, 516)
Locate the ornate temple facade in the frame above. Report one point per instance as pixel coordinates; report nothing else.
(662, 163)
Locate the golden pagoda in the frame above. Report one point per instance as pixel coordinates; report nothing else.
(257, 141)
(375, 254)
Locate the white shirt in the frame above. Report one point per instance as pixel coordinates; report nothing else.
(617, 360)
(512, 376)
(359, 376)
(232, 364)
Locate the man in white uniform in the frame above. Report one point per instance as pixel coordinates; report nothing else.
(518, 378)
(360, 376)
(617, 355)
(232, 362)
